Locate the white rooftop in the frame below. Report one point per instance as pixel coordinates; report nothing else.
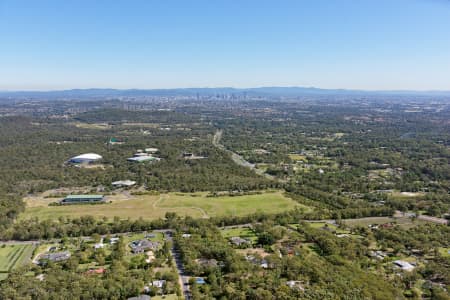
(124, 183)
(90, 156)
(404, 265)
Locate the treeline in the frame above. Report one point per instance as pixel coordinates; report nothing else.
(34, 229)
(10, 207)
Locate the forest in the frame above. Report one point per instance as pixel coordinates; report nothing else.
(357, 161)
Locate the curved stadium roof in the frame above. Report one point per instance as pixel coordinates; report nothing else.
(87, 156)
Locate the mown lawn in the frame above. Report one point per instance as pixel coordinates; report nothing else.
(12, 256)
(270, 202)
(404, 222)
(331, 226)
(244, 232)
(197, 205)
(445, 252)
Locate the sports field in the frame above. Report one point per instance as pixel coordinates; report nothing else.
(197, 205)
(12, 256)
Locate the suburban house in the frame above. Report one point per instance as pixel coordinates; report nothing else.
(99, 245)
(143, 158)
(141, 246)
(123, 183)
(54, 257)
(151, 150)
(158, 283)
(263, 263)
(295, 285)
(238, 241)
(404, 265)
(95, 271)
(114, 240)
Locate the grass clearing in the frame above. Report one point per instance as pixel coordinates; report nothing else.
(333, 227)
(12, 256)
(404, 222)
(297, 157)
(253, 251)
(445, 252)
(128, 238)
(42, 248)
(196, 205)
(243, 232)
(135, 207)
(406, 195)
(100, 126)
(320, 225)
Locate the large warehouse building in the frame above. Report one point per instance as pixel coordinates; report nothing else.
(86, 158)
(75, 199)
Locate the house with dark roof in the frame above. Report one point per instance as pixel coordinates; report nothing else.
(140, 246)
(54, 257)
(238, 241)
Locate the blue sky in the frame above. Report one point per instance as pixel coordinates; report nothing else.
(364, 44)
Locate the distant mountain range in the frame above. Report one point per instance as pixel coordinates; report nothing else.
(260, 91)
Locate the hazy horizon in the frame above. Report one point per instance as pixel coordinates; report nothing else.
(371, 46)
(221, 87)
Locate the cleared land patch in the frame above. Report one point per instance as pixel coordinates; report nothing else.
(12, 256)
(242, 232)
(270, 202)
(404, 222)
(297, 157)
(197, 205)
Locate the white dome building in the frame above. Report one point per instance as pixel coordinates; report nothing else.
(85, 158)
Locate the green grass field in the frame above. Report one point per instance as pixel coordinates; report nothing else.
(445, 252)
(196, 205)
(405, 196)
(159, 237)
(404, 222)
(12, 256)
(331, 226)
(245, 233)
(297, 157)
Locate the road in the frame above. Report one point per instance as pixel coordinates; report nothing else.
(239, 160)
(183, 279)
